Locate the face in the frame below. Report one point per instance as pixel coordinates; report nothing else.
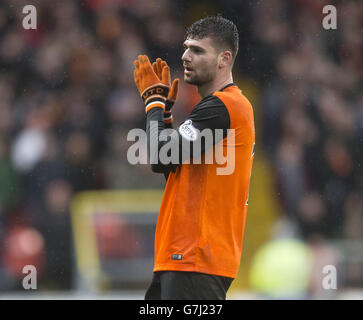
(200, 61)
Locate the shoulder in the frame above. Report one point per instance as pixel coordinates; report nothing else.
(239, 107)
(210, 107)
(232, 94)
(210, 101)
(210, 112)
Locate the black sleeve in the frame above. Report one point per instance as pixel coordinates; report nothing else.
(168, 148)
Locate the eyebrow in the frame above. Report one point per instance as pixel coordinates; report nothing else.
(193, 46)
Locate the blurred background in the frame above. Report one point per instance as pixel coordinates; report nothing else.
(72, 205)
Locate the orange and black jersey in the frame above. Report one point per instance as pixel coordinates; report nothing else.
(202, 214)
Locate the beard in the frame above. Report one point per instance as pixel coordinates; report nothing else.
(200, 78)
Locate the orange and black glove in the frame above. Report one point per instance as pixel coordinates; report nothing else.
(153, 90)
(158, 67)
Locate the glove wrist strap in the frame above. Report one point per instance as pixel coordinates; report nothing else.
(168, 117)
(155, 103)
(158, 90)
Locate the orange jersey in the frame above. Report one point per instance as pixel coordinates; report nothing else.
(203, 214)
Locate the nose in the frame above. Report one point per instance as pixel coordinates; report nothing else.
(186, 56)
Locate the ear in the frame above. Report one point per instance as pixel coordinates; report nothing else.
(225, 59)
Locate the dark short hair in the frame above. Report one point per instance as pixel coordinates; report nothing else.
(220, 29)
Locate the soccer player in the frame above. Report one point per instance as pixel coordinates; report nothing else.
(199, 232)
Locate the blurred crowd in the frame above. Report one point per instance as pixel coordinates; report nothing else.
(68, 100)
(312, 104)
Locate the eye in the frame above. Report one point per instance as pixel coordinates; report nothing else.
(197, 50)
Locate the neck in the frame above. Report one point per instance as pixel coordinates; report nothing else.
(210, 87)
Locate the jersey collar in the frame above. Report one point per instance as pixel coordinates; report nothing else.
(228, 85)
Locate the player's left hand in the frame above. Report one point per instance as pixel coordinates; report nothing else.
(158, 67)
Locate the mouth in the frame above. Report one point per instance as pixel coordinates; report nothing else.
(187, 69)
